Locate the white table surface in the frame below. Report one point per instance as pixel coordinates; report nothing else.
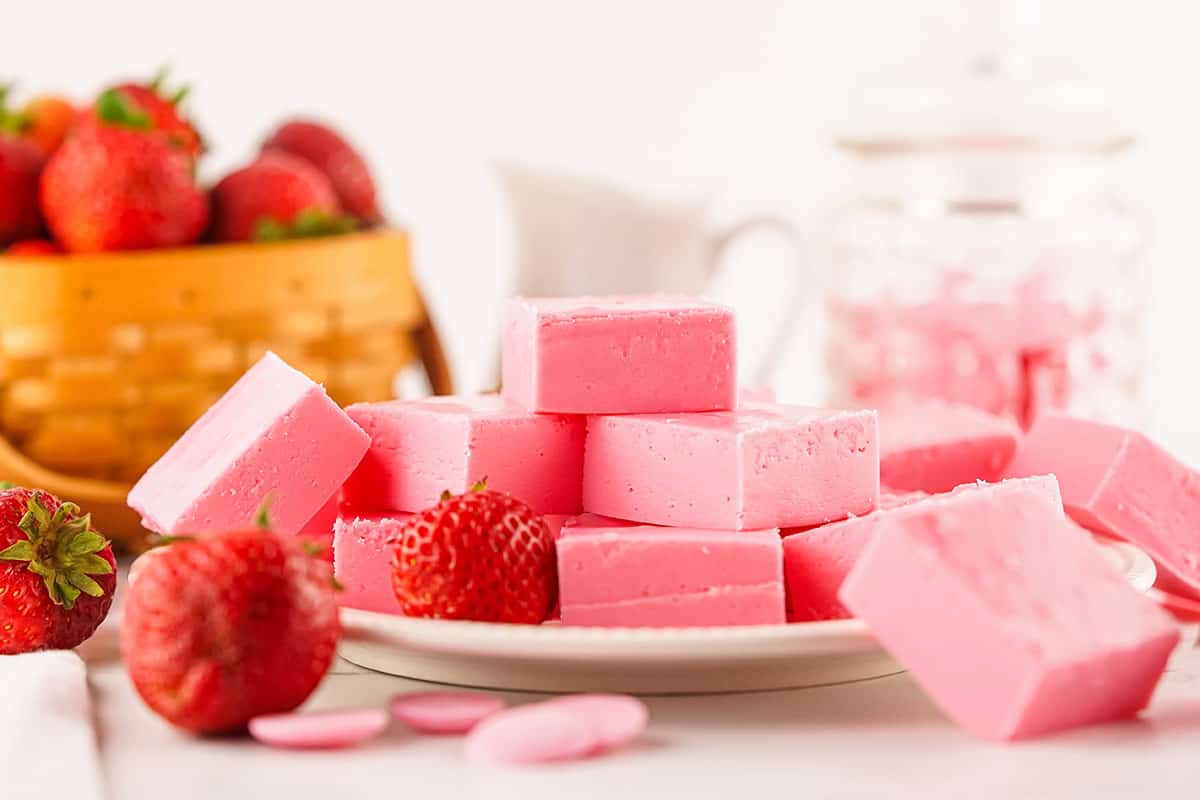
(879, 738)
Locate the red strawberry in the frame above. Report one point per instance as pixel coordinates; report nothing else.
(48, 118)
(116, 186)
(222, 628)
(482, 555)
(21, 161)
(57, 575)
(326, 150)
(276, 197)
(33, 247)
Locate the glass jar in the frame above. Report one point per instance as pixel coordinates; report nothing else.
(984, 255)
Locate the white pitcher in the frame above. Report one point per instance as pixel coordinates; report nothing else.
(580, 237)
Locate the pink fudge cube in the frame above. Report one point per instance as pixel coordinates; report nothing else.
(566, 523)
(933, 446)
(619, 355)
(761, 466)
(420, 449)
(275, 434)
(1008, 616)
(669, 577)
(362, 559)
(815, 562)
(1118, 482)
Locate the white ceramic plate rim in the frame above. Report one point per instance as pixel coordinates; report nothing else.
(575, 644)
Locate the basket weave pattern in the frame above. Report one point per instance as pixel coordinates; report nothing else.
(109, 404)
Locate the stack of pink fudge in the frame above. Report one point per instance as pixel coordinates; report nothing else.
(676, 505)
(620, 422)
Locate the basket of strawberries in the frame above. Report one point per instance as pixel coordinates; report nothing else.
(131, 296)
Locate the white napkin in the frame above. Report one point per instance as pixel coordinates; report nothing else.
(46, 733)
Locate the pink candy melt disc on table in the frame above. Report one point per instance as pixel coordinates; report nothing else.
(617, 719)
(323, 730)
(444, 712)
(533, 734)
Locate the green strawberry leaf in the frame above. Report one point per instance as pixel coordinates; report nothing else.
(85, 584)
(268, 230)
(115, 108)
(11, 121)
(93, 564)
(36, 512)
(18, 551)
(67, 593)
(85, 543)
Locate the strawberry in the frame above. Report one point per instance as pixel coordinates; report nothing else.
(21, 162)
(57, 575)
(228, 626)
(33, 247)
(326, 150)
(114, 185)
(47, 120)
(276, 197)
(483, 555)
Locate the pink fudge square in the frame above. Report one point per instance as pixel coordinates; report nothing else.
(1118, 482)
(1008, 616)
(421, 448)
(362, 559)
(619, 355)
(275, 434)
(815, 562)
(933, 446)
(648, 576)
(761, 466)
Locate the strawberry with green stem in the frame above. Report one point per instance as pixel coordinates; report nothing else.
(278, 196)
(57, 574)
(151, 106)
(223, 627)
(118, 184)
(482, 555)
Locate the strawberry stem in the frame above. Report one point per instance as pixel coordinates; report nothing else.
(308, 224)
(262, 517)
(11, 121)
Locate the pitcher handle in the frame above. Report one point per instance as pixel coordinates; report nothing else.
(795, 298)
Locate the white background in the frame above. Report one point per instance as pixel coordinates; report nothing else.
(738, 97)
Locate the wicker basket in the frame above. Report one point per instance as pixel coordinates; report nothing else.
(105, 360)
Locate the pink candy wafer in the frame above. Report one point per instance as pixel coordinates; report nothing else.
(617, 719)
(322, 730)
(532, 734)
(444, 712)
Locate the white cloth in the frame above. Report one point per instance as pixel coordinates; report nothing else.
(47, 742)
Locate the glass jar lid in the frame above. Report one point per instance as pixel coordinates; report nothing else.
(986, 82)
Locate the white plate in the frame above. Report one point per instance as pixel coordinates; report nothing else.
(554, 658)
